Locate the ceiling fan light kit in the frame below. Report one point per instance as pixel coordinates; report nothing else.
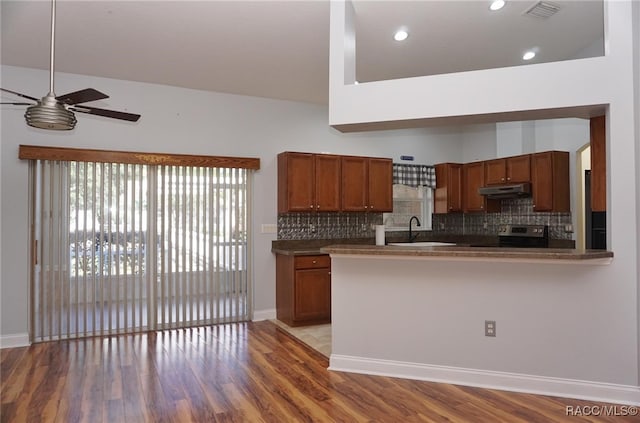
(56, 113)
(49, 114)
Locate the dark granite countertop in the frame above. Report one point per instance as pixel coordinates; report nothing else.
(314, 246)
(525, 254)
(307, 247)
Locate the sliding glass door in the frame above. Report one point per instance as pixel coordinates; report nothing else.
(121, 247)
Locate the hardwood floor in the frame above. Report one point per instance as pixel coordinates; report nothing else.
(247, 372)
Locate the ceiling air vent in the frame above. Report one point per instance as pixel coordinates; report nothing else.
(542, 9)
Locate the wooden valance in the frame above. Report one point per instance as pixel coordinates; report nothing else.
(32, 152)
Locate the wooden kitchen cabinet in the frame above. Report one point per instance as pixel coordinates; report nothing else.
(367, 184)
(308, 182)
(510, 170)
(598, 164)
(303, 289)
(550, 181)
(473, 178)
(448, 195)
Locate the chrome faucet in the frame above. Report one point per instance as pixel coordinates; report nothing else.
(411, 236)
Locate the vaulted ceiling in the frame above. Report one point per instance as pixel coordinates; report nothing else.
(280, 49)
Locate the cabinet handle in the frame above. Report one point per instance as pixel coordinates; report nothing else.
(502, 179)
(508, 179)
(366, 207)
(311, 206)
(328, 273)
(534, 206)
(318, 206)
(314, 262)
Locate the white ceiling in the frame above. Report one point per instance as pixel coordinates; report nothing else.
(280, 49)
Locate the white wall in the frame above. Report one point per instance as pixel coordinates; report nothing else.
(610, 80)
(176, 120)
(479, 143)
(511, 136)
(441, 304)
(565, 135)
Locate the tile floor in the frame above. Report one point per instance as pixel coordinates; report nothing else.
(317, 337)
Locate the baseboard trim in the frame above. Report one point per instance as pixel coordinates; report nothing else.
(541, 385)
(268, 314)
(14, 341)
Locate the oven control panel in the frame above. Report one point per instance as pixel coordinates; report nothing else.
(534, 231)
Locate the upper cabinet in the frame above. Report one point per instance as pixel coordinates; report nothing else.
(550, 181)
(308, 182)
(330, 183)
(448, 195)
(473, 178)
(509, 170)
(367, 184)
(548, 172)
(598, 164)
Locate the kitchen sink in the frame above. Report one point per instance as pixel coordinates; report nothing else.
(422, 244)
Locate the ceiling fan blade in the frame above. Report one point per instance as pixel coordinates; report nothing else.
(19, 94)
(19, 104)
(106, 113)
(82, 96)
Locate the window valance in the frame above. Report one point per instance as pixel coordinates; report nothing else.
(414, 175)
(31, 152)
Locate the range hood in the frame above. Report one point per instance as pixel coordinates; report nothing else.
(506, 191)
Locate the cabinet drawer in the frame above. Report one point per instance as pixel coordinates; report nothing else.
(313, 262)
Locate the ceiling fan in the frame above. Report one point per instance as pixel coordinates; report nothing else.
(56, 112)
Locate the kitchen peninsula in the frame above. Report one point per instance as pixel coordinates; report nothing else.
(461, 252)
(420, 313)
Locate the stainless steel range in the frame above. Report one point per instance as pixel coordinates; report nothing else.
(523, 236)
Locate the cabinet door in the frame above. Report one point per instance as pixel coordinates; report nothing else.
(454, 194)
(598, 164)
(550, 181)
(518, 169)
(354, 183)
(473, 179)
(495, 171)
(448, 195)
(542, 181)
(327, 182)
(312, 294)
(295, 182)
(380, 185)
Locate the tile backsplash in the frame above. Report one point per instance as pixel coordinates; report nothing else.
(327, 225)
(514, 211)
(296, 226)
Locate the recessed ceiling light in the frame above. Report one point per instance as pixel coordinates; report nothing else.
(497, 5)
(401, 35)
(529, 55)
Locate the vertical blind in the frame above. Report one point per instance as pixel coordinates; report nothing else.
(124, 247)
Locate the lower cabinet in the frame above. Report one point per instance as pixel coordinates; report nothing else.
(303, 289)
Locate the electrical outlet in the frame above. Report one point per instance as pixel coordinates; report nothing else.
(312, 228)
(489, 328)
(269, 228)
